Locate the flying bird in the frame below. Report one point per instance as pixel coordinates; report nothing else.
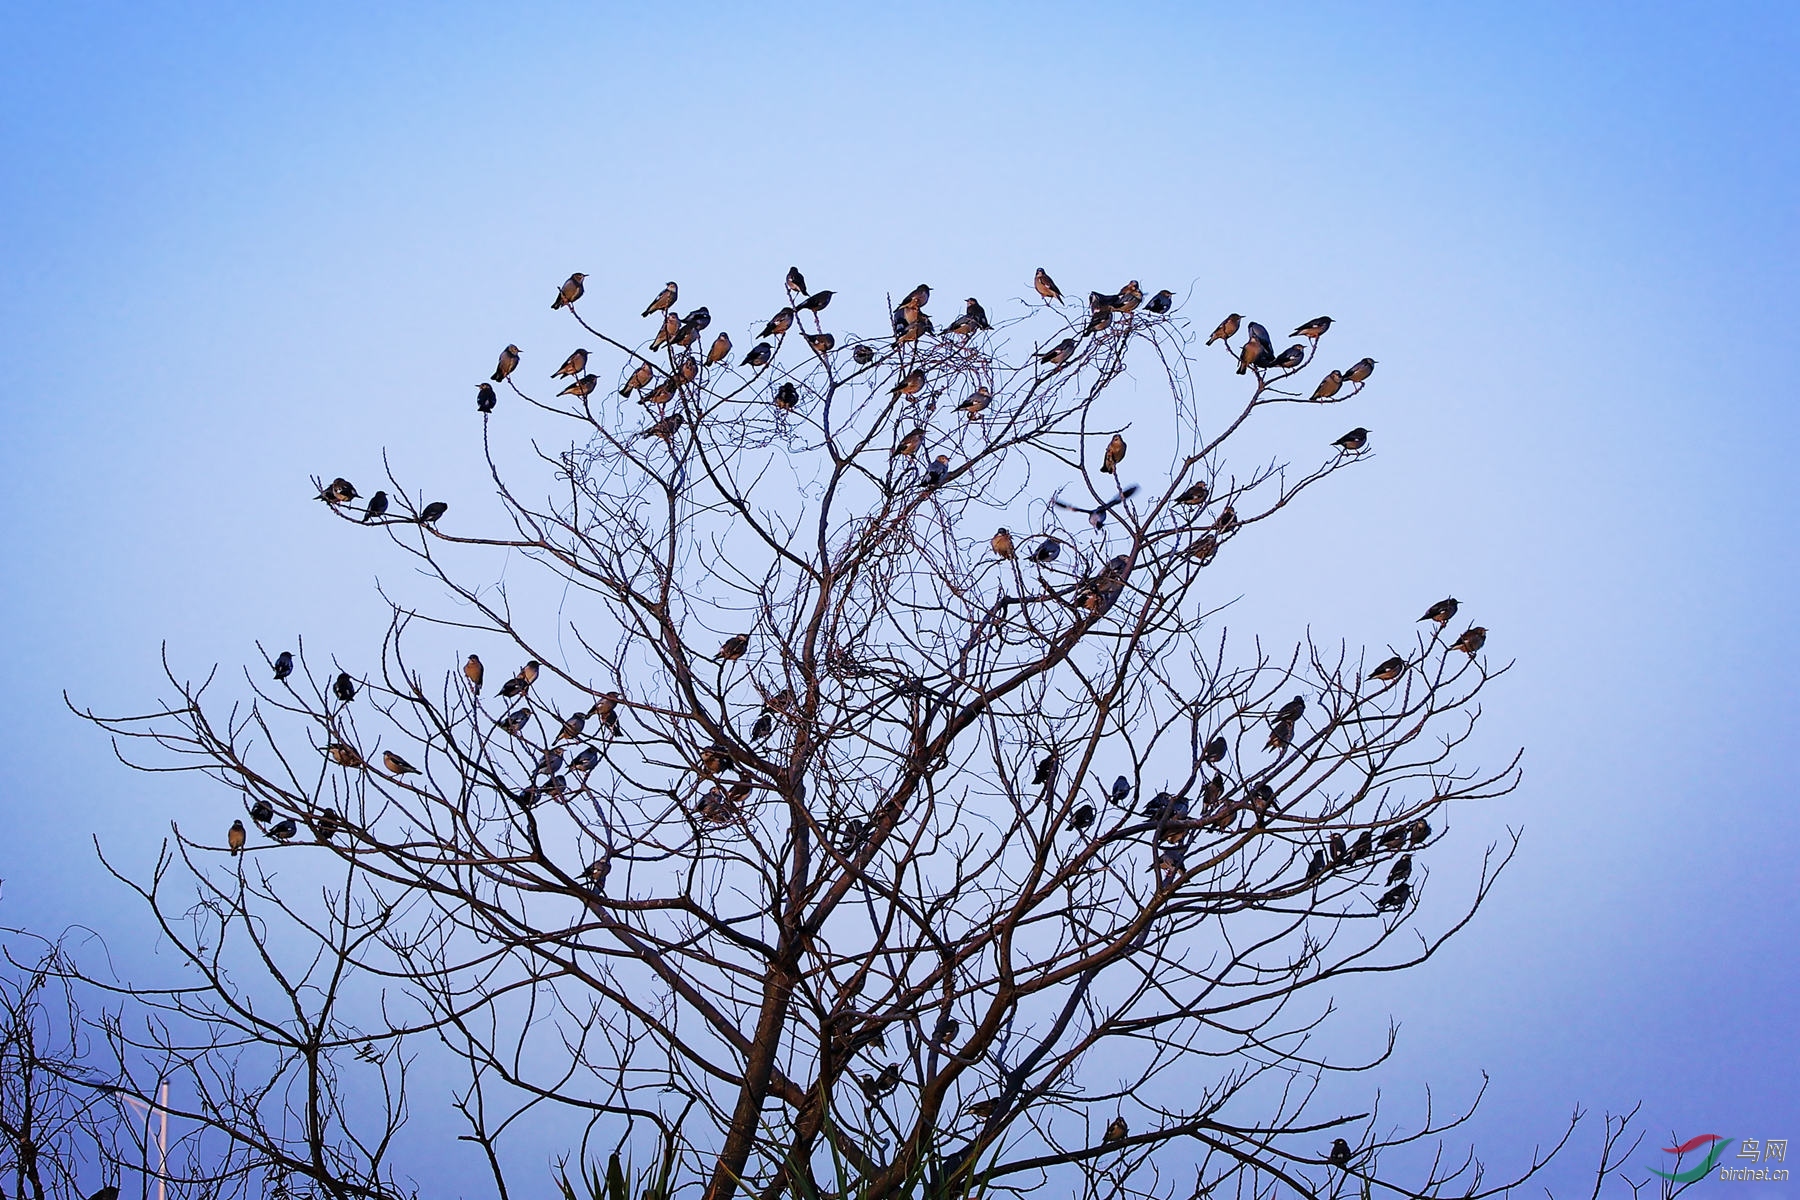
(572, 366)
(234, 837)
(569, 292)
(396, 765)
(1161, 303)
(1096, 516)
(284, 665)
(1314, 329)
(1471, 641)
(509, 362)
(1353, 441)
(1226, 329)
(665, 299)
(1115, 454)
(1046, 286)
(485, 398)
(1442, 611)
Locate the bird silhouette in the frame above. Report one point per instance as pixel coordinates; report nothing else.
(1116, 1131)
(1395, 898)
(1121, 790)
(1046, 286)
(1340, 850)
(735, 647)
(572, 727)
(864, 354)
(1290, 358)
(431, 512)
(1197, 493)
(1045, 769)
(1292, 710)
(1256, 351)
(572, 366)
(396, 765)
(665, 299)
(585, 760)
(376, 508)
(973, 310)
(595, 873)
(262, 812)
(1340, 1153)
(344, 687)
(234, 838)
(514, 722)
(821, 343)
(666, 428)
(326, 825)
(1096, 516)
(1081, 818)
(485, 398)
(796, 282)
(787, 396)
(764, 726)
(1392, 838)
(1281, 735)
(1314, 328)
(569, 292)
(1215, 750)
(1418, 831)
(1389, 670)
(339, 491)
(1401, 870)
(284, 831)
(759, 355)
(1099, 321)
(1360, 370)
(1059, 354)
(1442, 611)
(1353, 441)
(284, 665)
(1161, 303)
(606, 709)
(509, 362)
(1317, 867)
(1046, 551)
(816, 302)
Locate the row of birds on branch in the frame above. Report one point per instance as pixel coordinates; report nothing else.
(341, 491)
(1258, 353)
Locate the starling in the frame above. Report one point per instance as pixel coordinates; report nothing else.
(1257, 351)
(796, 282)
(1361, 370)
(1340, 1153)
(1046, 286)
(665, 429)
(1002, 542)
(262, 812)
(1317, 867)
(1116, 1131)
(1328, 386)
(821, 343)
(1115, 454)
(596, 872)
(637, 379)
(1226, 330)
(908, 445)
(509, 361)
(665, 333)
(947, 1030)
(1389, 670)
(431, 512)
(1081, 818)
(692, 324)
(1059, 354)
(327, 825)
(917, 299)
(778, 324)
(910, 384)
(1205, 549)
(572, 366)
(234, 837)
(1362, 847)
(1418, 831)
(1292, 710)
(514, 687)
(1441, 612)
(912, 330)
(572, 727)
(569, 292)
(759, 355)
(1099, 304)
(1045, 768)
(474, 672)
(975, 312)
(964, 326)
(284, 665)
(550, 763)
(982, 1110)
(664, 301)
(1215, 750)
(687, 369)
(339, 491)
(1314, 329)
(1161, 303)
(734, 648)
(721, 349)
(1130, 296)
(1471, 641)
(1353, 441)
(1046, 551)
(864, 354)
(1395, 898)
(485, 398)
(1262, 798)
(397, 765)
(1340, 850)
(1157, 807)
(765, 725)
(343, 756)
(344, 687)
(585, 760)
(937, 471)
(787, 396)
(514, 721)
(1290, 358)
(109, 1192)
(816, 302)
(1401, 870)
(581, 388)
(606, 708)
(875, 1087)
(1227, 519)
(377, 506)
(1121, 790)
(1199, 493)
(284, 831)
(976, 403)
(1213, 790)
(1392, 838)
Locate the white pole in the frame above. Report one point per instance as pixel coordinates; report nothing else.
(162, 1135)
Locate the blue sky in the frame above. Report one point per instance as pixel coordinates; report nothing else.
(245, 247)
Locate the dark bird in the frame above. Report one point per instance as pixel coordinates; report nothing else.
(343, 756)
(1360, 370)
(1256, 352)
(937, 471)
(964, 326)
(585, 760)
(1226, 329)
(1116, 1131)
(1060, 353)
(981, 1110)
(327, 825)
(1328, 386)
(864, 354)
(509, 362)
(1472, 640)
(1096, 516)
(665, 333)
(1290, 358)
(1098, 303)
(1002, 542)
(1046, 551)
(912, 329)
(284, 665)
(1395, 898)
(976, 403)
(910, 384)
(664, 301)
(284, 831)
(582, 387)
(1292, 710)
(572, 366)
(1227, 519)
(787, 396)
(666, 429)
(1390, 669)
(637, 379)
(397, 765)
(1198, 493)
(1314, 328)
(1362, 847)
(1046, 286)
(765, 725)
(1130, 296)
(1215, 750)
(759, 355)
(1401, 870)
(1262, 799)
(1045, 768)
(514, 721)
(948, 1028)
(1115, 454)
(1340, 850)
(908, 445)
(1419, 831)
(877, 1086)
(1161, 303)
(796, 282)
(778, 324)
(109, 1192)
(1205, 549)
(816, 302)
(606, 708)
(1353, 441)
(485, 397)
(234, 837)
(692, 324)
(377, 506)
(1442, 611)
(518, 685)
(344, 687)
(1121, 790)
(1392, 838)
(1317, 867)
(474, 672)
(596, 872)
(1213, 790)
(262, 812)
(1160, 806)
(1081, 818)
(569, 292)
(721, 349)
(687, 369)
(734, 648)
(339, 491)
(1340, 1153)
(550, 763)
(821, 343)
(572, 727)
(431, 512)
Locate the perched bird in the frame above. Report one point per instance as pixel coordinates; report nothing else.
(234, 837)
(572, 366)
(764, 726)
(1213, 790)
(975, 312)
(1099, 303)
(1395, 898)
(666, 429)
(908, 445)
(787, 396)
(759, 355)
(606, 708)
(1226, 329)
(1353, 441)
(344, 687)
(1392, 838)
(816, 302)
(796, 282)
(778, 324)
(1081, 818)
(1472, 640)
(1360, 370)
(1046, 286)
(1328, 386)
(911, 330)
(514, 722)
(981, 1110)
(1115, 454)
(431, 512)
(1340, 850)
(518, 685)
(1340, 1153)
(1390, 669)
(1401, 870)
(937, 471)
(864, 354)
(637, 379)
(569, 292)
(1116, 1131)
(1362, 847)
(947, 1030)
(109, 1192)
(910, 384)
(821, 343)
(342, 755)
(1314, 329)
(1161, 303)
(1130, 296)
(734, 648)
(1002, 542)
(377, 506)
(963, 326)
(550, 762)
(582, 387)
(1121, 790)
(509, 362)
(1059, 354)
(594, 875)
(1198, 493)
(1418, 831)
(485, 398)
(1317, 867)
(262, 812)
(1256, 352)
(326, 825)
(339, 491)
(1215, 750)
(284, 831)
(665, 333)
(692, 324)
(721, 349)
(1290, 358)
(661, 394)
(1206, 548)
(1262, 799)
(665, 299)
(687, 369)
(284, 665)
(1046, 551)
(1164, 805)
(1227, 519)
(1045, 768)
(976, 403)
(572, 727)
(397, 765)
(877, 1086)
(474, 672)
(1292, 710)
(1281, 735)
(585, 760)
(1442, 611)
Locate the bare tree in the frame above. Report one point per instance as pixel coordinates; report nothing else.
(883, 805)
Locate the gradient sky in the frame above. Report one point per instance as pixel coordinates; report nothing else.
(246, 247)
